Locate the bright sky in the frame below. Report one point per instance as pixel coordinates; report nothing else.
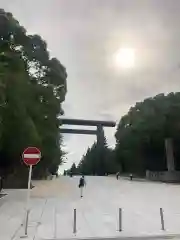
(116, 52)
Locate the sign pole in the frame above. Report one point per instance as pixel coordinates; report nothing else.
(28, 199)
(31, 156)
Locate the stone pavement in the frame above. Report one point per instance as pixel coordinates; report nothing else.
(53, 202)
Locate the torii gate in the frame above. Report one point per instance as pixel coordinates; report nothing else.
(81, 122)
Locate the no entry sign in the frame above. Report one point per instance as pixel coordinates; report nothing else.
(31, 156)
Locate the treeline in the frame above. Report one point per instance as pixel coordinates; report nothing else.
(140, 139)
(96, 161)
(142, 132)
(32, 88)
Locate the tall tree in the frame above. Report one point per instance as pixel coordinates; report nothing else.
(141, 134)
(98, 160)
(73, 169)
(32, 88)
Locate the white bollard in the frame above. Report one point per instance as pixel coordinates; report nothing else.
(74, 222)
(162, 219)
(120, 219)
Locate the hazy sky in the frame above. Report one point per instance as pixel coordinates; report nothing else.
(85, 34)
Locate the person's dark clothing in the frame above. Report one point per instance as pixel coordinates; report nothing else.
(81, 182)
(131, 177)
(1, 184)
(117, 175)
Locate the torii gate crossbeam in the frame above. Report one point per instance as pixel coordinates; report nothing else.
(97, 123)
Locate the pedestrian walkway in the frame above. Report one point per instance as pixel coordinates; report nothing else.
(53, 203)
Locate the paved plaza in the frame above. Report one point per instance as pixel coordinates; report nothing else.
(53, 203)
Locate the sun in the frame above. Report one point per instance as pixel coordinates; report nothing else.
(125, 58)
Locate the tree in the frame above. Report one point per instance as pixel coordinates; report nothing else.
(73, 169)
(98, 160)
(32, 88)
(141, 134)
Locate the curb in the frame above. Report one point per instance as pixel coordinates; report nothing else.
(145, 237)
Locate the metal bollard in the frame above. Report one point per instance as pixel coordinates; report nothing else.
(120, 219)
(74, 222)
(162, 219)
(26, 222)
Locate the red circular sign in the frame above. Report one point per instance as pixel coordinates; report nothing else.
(31, 156)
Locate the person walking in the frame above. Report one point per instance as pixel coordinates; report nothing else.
(117, 175)
(131, 176)
(82, 183)
(1, 183)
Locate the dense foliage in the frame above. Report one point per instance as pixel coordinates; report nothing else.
(32, 88)
(140, 140)
(142, 132)
(97, 161)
